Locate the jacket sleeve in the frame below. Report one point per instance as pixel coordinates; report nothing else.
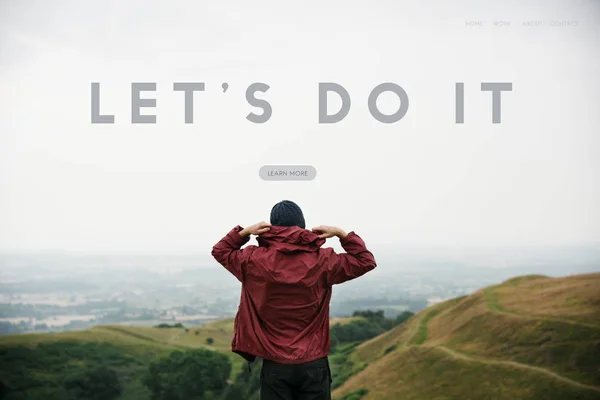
(356, 262)
(229, 253)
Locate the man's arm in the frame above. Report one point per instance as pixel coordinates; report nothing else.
(357, 260)
(229, 253)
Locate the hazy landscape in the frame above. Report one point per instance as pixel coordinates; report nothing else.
(166, 334)
(43, 293)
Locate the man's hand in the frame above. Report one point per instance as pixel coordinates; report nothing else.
(256, 229)
(326, 232)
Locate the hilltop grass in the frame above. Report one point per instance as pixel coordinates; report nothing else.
(430, 313)
(573, 299)
(421, 335)
(491, 299)
(567, 349)
(516, 281)
(418, 373)
(479, 326)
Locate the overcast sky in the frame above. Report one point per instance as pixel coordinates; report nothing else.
(69, 185)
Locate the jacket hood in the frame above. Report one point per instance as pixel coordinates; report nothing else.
(290, 239)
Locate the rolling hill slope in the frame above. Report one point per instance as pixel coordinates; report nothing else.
(530, 337)
(127, 349)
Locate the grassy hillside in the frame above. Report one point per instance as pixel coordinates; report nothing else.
(530, 337)
(128, 350)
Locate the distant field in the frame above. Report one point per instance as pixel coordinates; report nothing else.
(530, 337)
(343, 320)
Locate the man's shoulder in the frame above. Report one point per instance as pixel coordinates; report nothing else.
(326, 252)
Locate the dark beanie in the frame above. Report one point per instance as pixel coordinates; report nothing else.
(287, 213)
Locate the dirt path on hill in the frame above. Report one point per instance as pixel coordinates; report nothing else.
(421, 321)
(515, 364)
(414, 330)
(417, 325)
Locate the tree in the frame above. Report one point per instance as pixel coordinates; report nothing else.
(403, 317)
(234, 392)
(334, 339)
(246, 384)
(371, 324)
(163, 325)
(210, 341)
(369, 314)
(94, 383)
(193, 374)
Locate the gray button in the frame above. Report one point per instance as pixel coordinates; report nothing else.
(287, 172)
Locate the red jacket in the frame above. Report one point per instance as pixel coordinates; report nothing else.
(283, 314)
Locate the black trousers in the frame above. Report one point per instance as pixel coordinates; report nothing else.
(306, 381)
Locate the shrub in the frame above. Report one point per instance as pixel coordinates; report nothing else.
(356, 395)
(193, 374)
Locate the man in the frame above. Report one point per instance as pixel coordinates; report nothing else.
(283, 316)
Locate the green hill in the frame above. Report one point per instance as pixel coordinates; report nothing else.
(47, 358)
(530, 337)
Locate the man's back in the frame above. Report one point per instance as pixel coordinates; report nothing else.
(286, 289)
